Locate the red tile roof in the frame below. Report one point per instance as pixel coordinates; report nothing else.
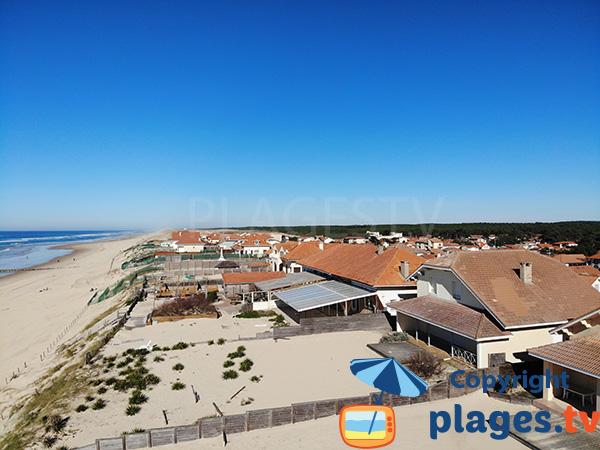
(458, 318)
(582, 354)
(570, 258)
(304, 250)
(585, 270)
(363, 264)
(556, 295)
(250, 277)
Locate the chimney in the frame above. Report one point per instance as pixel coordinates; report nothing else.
(380, 249)
(526, 272)
(321, 247)
(404, 269)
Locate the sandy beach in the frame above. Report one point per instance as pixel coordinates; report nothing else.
(38, 306)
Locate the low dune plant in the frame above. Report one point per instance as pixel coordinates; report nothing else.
(132, 410)
(178, 367)
(81, 408)
(211, 342)
(221, 341)
(177, 386)
(180, 346)
(230, 375)
(246, 365)
(158, 359)
(98, 404)
(102, 390)
(137, 398)
(228, 363)
(256, 379)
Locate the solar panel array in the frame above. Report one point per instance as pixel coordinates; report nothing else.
(291, 279)
(320, 294)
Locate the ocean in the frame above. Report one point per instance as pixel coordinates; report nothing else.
(22, 249)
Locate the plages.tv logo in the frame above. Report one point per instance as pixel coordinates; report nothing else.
(500, 421)
(372, 426)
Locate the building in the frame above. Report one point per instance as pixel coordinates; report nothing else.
(290, 260)
(571, 259)
(187, 241)
(519, 297)
(383, 272)
(578, 355)
(589, 273)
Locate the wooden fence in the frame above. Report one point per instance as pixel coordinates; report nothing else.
(275, 417)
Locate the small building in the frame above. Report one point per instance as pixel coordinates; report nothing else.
(238, 283)
(571, 259)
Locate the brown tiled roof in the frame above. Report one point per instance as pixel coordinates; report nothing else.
(458, 318)
(258, 264)
(363, 264)
(556, 295)
(585, 270)
(589, 279)
(303, 250)
(581, 354)
(596, 256)
(570, 258)
(250, 277)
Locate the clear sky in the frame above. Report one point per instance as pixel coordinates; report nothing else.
(145, 114)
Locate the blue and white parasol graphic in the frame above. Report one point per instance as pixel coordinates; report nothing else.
(389, 376)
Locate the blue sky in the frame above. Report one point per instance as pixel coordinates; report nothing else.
(145, 115)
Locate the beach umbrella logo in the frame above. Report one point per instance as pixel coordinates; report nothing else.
(372, 426)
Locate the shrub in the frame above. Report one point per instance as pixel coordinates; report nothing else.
(246, 365)
(230, 375)
(158, 359)
(102, 390)
(49, 441)
(97, 382)
(211, 342)
(394, 336)
(245, 402)
(99, 404)
(81, 408)
(56, 423)
(152, 379)
(89, 398)
(256, 379)
(132, 410)
(180, 346)
(228, 363)
(137, 398)
(179, 367)
(110, 381)
(239, 353)
(221, 341)
(425, 365)
(279, 321)
(166, 349)
(177, 386)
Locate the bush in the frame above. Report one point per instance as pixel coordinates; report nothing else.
(99, 404)
(425, 365)
(110, 381)
(137, 398)
(132, 410)
(246, 365)
(49, 441)
(230, 375)
(228, 363)
(177, 386)
(152, 379)
(89, 398)
(180, 346)
(256, 379)
(221, 341)
(239, 353)
(81, 408)
(56, 423)
(102, 390)
(179, 367)
(211, 342)
(158, 359)
(279, 321)
(166, 349)
(394, 336)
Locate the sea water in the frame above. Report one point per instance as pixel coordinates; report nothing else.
(23, 249)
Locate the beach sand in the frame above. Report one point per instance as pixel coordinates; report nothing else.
(37, 306)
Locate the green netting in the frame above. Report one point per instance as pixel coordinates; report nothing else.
(119, 287)
(103, 295)
(92, 299)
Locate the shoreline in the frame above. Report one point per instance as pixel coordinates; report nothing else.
(75, 250)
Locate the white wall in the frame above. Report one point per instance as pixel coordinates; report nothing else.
(444, 279)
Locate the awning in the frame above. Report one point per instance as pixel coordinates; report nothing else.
(321, 294)
(290, 280)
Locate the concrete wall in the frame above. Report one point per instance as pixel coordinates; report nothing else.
(518, 343)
